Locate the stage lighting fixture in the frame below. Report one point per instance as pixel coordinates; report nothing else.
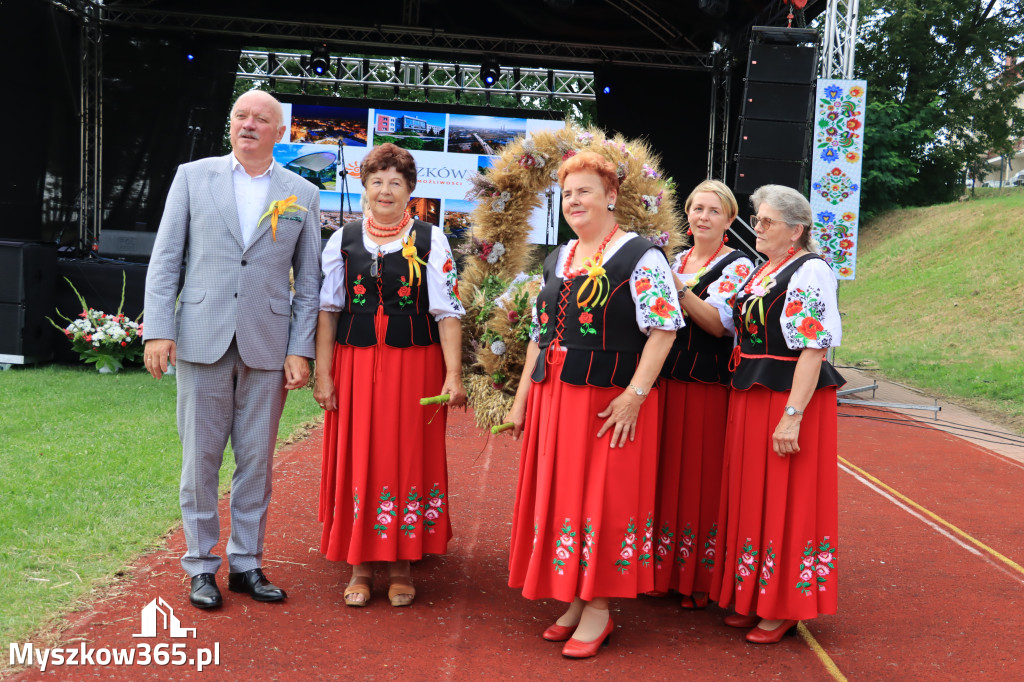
(320, 60)
(607, 89)
(489, 72)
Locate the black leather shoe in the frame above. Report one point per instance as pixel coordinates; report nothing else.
(203, 593)
(256, 585)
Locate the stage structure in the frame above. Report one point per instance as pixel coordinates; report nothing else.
(721, 61)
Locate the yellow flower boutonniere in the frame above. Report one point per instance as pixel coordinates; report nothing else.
(277, 209)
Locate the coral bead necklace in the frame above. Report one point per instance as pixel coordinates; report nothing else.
(569, 273)
(386, 231)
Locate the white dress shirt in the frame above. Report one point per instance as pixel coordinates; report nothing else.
(250, 196)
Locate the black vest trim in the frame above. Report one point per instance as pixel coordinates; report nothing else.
(697, 355)
(404, 307)
(609, 355)
(774, 369)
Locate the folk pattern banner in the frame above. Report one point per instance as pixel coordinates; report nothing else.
(837, 157)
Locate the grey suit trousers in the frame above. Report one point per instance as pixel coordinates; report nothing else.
(217, 401)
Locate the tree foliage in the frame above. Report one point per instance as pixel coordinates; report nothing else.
(940, 97)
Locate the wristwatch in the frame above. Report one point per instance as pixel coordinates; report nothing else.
(682, 291)
(639, 392)
(792, 411)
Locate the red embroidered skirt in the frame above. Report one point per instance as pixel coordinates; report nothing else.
(689, 484)
(778, 519)
(384, 479)
(583, 524)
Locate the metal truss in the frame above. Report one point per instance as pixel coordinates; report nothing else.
(406, 38)
(414, 75)
(718, 133)
(840, 37)
(91, 140)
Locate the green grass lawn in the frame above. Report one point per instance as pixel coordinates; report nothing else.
(90, 468)
(939, 302)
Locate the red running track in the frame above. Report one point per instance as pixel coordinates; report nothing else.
(917, 600)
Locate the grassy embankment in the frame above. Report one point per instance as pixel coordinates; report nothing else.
(90, 468)
(938, 302)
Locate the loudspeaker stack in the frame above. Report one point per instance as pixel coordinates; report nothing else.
(778, 99)
(27, 278)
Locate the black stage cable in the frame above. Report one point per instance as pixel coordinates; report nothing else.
(1012, 437)
(915, 424)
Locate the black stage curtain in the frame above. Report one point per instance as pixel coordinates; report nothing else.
(160, 110)
(39, 175)
(669, 108)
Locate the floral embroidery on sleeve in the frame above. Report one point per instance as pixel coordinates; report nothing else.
(653, 296)
(451, 281)
(539, 325)
(802, 317)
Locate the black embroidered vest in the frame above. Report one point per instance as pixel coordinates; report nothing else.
(603, 342)
(373, 282)
(764, 357)
(697, 355)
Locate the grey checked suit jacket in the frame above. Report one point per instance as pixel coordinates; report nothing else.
(230, 290)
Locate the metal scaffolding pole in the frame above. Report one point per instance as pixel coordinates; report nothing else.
(840, 38)
(718, 133)
(91, 126)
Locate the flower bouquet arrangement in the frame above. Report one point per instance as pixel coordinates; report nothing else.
(107, 340)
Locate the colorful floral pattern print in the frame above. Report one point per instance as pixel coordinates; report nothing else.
(838, 122)
(588, 545)
(565, 547)
(386, 512)
(412, 513)
(358, 290)
(628, 551)
(708, 560)
(802, 317)
(664, 549)
(836, 234)
(746, 564)
(647, 548)
(435, 508)
(586, 321)
(767, 567)
(355, 505)
(653, 294)
(404, 293)
(815, 566)
(835, 186)
(686, 544)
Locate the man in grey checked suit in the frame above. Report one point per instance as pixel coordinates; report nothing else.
(237, 337)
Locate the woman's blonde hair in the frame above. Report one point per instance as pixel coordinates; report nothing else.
(732, 208)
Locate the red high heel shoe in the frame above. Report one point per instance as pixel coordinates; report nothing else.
(759, 636)
(574, 648)
(558, 633)
(697, 600)
(738, 620)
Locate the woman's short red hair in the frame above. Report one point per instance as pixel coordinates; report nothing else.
(387, 156)
(594, 163)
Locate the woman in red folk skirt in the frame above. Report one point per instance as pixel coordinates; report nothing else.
(695, 397)
(583, 524)
(388, 334)
(778, 519)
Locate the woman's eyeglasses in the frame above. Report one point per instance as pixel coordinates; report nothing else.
(767, 222)
(377, 266)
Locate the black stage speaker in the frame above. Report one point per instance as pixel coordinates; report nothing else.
(778, 99)
(27, 277)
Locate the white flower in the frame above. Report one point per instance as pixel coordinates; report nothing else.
(498, 347)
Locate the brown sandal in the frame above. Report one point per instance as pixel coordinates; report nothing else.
(358, 585)
(401, 591)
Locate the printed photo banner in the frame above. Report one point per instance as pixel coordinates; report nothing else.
(838, 154)
(449, 150)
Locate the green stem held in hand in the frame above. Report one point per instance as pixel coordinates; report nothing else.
(501, 427)
(436, 400)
